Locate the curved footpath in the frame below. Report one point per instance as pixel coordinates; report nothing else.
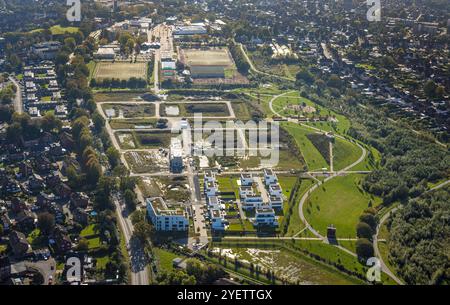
(382, 221)
(384, 268)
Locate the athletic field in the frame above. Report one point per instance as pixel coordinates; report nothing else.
(209, 57)
(120, 70)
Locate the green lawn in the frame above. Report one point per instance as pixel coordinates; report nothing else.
(88, 231)
(371, 161)
(94, 243)
(59, 30)
(314, 160)
(295, 224)
(101, 262)
(164, 258)
(91, 66)
(36, 239)
(3, 248)
(225, 184)
(344, 153)
(340, 202)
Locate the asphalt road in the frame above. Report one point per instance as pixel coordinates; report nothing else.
(18, 104)
(138, 262)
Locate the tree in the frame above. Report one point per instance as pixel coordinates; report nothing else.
(83, 245)
(46, 222)
(364, 248)
(50, 122)
(130, 199)
(73, 178)
(1, 229)
(194, 267)
(369, 219)
(363, 230)
(440, 91)
(98, 120)
(430, 89)
(334, 81)
(93, 171)
(113, 156)
(143, 230)
(305, 75)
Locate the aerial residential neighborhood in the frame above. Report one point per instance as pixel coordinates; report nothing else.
(224, 143)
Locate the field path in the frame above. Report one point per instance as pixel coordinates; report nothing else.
(345, 170)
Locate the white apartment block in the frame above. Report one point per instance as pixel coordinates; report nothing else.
(275, 190)
(165, 217)
(276, 202)
(246, 179)
(211, 188)
(217, 219)
(270, 177)
(265, 217)
(209, 176)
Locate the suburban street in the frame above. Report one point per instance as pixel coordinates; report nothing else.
(138, 262)
(18, 104)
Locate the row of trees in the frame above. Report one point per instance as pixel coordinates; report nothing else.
(196, 272)
(365, 230)
(22, 127)
(133, 83)
(239, 58)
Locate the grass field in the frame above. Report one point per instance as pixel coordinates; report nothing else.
(116, 96)
(59, 30)
(89, 230)
(314, 160)
(263, 63)
(344, 153)
(120, 70)
(283, 105)
(164, 259)
(132, 123)
(295, 224)
(241, 111)
(339, 202)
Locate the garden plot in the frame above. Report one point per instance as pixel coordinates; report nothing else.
(130, 110)
(284, 264)
(147, 161)
(126, 140)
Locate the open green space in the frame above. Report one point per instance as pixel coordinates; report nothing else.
(344, 153)
(339, 202)
(164, 259)
(286, 262)
(132, 123)
(314, 160)
(295, 223)
(59, 30)
(116, 96)
(89, 230)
